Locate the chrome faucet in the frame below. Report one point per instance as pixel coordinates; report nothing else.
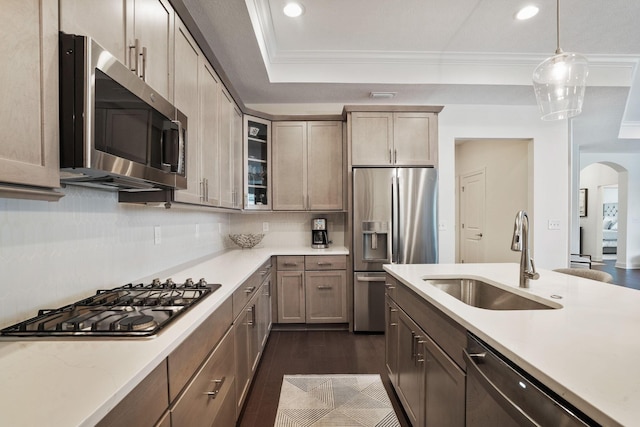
(520, 243)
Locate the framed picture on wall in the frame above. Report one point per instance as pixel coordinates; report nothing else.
(582, 202)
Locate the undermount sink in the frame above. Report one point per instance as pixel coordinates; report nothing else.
(480, 294)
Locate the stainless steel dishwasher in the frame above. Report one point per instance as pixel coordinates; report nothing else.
(500, 394)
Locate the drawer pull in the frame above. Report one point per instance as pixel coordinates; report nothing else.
(388, 286)
(216, 389)
(324, 264)
(325, 287)
(290, 264)
(250, 289)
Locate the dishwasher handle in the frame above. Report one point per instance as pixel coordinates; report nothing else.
(499, 397)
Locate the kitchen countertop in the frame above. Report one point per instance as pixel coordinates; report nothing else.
(587, 351)
(77, 381)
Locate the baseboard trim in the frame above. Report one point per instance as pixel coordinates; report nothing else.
(310, 327)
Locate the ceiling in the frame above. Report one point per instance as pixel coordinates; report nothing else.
(429, 52)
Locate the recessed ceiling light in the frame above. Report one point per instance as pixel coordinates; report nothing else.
(293, 10)
(527, 12)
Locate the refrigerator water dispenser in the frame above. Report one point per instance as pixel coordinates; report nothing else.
(375, 240)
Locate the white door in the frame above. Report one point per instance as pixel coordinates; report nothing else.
(472, 217)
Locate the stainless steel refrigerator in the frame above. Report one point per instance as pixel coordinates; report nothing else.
(394, 221)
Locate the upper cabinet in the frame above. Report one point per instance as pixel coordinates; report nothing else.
(308, 166)
(257, 174)
(138, 32)
(29, 157)
(230, 131)
(403, 138)
(196, 95)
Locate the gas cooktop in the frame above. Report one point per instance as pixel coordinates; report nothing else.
(127, 311)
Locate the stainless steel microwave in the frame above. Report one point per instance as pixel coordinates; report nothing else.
(115, 130)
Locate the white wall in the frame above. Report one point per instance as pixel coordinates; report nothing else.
(54, 253)
(549, 197)
(628, 164)
(506, 168)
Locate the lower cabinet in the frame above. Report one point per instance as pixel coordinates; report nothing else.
(204, 381)
(211, 390)
(312, 289)
(252, 326)
(429, 382)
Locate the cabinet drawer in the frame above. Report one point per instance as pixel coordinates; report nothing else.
(391, 287)
(144, 405)
(186, 359)
(205, 395)
(325, 262)
(290, 263)
(248, 289)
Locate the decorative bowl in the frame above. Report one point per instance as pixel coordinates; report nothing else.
(246, 241)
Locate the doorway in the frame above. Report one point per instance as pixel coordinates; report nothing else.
(496, 180)
(601, 229)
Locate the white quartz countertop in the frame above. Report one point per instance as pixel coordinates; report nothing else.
(587, 351)
(77, 381)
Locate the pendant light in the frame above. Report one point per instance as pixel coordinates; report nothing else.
(559, 81)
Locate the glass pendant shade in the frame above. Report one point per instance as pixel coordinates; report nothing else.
(559, 84)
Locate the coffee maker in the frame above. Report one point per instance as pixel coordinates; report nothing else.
(319, 236)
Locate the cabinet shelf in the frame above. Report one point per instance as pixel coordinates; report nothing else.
(256, 186)
(251, 159)
(262, 141)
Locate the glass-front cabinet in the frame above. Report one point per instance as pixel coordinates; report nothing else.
(257, 172)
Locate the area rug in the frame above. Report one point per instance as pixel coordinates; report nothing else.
(334, 400)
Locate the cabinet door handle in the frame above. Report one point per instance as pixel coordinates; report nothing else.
(253, 315)
(143, 71)
(249, 290)
(419, 355)
(325, 287)
(390, 158)
(413, 345)
(133, 65)
(216, 389)
(395, 156)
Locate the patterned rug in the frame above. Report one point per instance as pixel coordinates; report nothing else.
(334, 400)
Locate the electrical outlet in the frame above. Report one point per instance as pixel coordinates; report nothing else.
(197, 231)
(220, 228)
(157, 235)
(265, 226)
(554, 224)
(442, 226)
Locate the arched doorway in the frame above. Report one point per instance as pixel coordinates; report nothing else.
(603, 219)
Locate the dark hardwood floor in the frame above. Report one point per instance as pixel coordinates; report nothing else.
(629, 278)
(312, 352)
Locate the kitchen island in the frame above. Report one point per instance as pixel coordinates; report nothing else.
(75, 381)
(586, 351)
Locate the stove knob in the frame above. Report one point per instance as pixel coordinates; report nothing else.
(156, 283)
(169, 283)
(188, 283)
(202, 282)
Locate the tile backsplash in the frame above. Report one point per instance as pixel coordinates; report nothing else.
(55, 253)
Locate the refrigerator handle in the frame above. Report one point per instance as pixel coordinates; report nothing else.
(395, 221)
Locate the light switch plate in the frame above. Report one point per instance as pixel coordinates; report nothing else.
(265, 226)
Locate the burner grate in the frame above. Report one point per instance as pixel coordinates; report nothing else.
(128, 311)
